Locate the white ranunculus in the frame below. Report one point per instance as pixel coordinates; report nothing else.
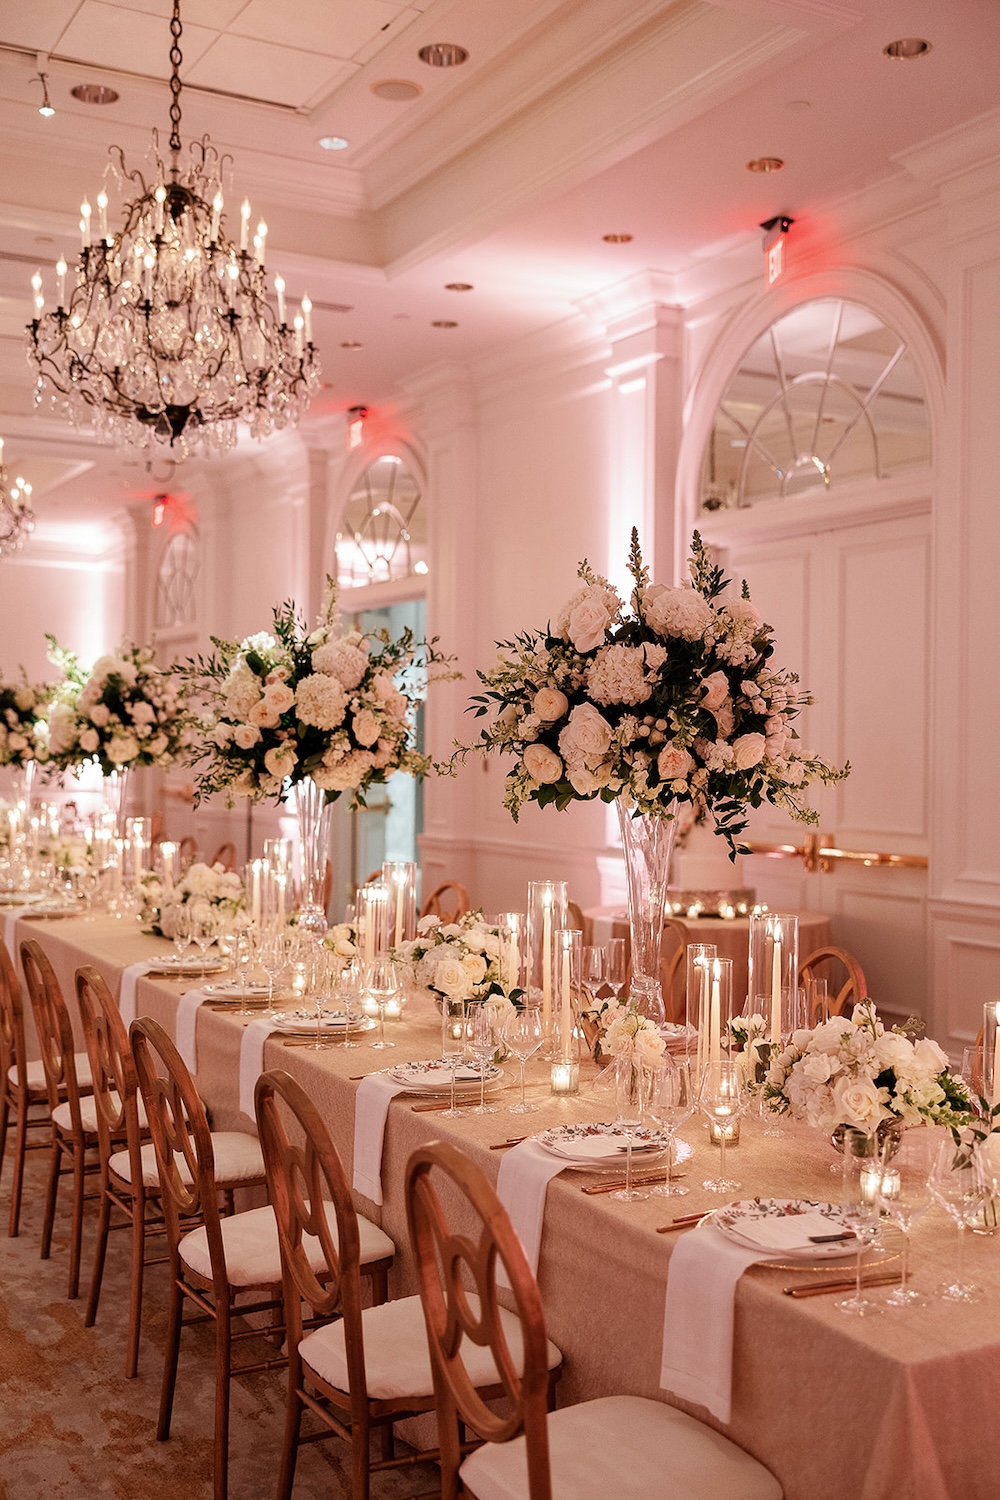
(549, 704)
(542, 764)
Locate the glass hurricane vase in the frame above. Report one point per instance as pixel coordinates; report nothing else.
(647, 842)
(313, 812)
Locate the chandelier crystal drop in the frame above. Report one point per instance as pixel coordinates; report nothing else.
(17, 518)
(162, 333)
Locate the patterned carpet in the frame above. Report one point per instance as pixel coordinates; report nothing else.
(73, 1428)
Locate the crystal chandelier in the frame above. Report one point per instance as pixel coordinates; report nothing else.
(17, 518)
(162, 333)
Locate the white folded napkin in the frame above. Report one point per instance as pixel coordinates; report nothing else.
(522, 1183)
(697, 1361)
(10, 920)
(126, 995)
(371, 1105)
(252, 1059)
(185, 1024)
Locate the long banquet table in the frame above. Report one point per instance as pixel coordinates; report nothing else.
(897, 1407)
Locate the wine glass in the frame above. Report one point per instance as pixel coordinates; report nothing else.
(181, 936)
(204, 928)
(453, 1030)
(862, 1172)
(615, 966)
(244, 955)
(524, 1033)
(904, 1194)
(592, 970)
(349, 992)
(672, 1101)
(381, 982)
(272, 955)
(633, 1082)
(971, 1072)
(817, 1002)
(722, 1097)
(958, 1184)
(482, 1040)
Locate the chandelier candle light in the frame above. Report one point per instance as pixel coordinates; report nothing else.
(162, 332)
(17, 518)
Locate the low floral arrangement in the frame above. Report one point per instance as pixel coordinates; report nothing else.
(201, 888)
(22, 721)
(852, 1072)
(630, 1037)
(335, 706)
(342, 941)
(125, 712)
(672, 698)
(459, 960)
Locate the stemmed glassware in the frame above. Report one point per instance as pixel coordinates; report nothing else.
(672, 1101)
(181, 936)
(349, 991)
(319, 979)
(904, 1194)
(453, 1037)
(592, 970)
(381, 982)
(244, 945)
(272, 954)
(615, 966)
(633, 1082)
(862, 1171)
(483, 1038)
(958, 1183)
(722, 1098)
(204, 928)
(524, 1033)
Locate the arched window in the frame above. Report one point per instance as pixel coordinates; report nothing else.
(176, 600)
(382, 536)
(827, 394)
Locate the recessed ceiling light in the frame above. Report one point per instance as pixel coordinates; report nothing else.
(616, 239)
(333, 142)
(398, 90)
(459, 286)
(443, 323)
(351, 344)
(798, 106)
(94, 93)
(765, 164)
(907, 48)
(443, 55)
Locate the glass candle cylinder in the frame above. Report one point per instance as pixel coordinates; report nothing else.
(991, 1052)
(511, 927)
(774, 972)
(565, 1074)
(372, 918)
(698, 994)
(546, 915)
(400, 880)
(167, 863)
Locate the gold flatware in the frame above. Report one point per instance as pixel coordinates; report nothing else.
(842, 1284)
(515, 1140)
(438, 1104)
(682, 1221)
(638, 1180)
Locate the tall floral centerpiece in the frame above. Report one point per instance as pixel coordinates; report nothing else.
(124, 713)
(310, 713)
(670, 699)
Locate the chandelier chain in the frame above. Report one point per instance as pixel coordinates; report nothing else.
(176, 58)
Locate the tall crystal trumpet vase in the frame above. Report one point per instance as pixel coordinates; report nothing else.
(648, 843)
(313, 812)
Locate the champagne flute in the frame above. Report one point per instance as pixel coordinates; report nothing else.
(319, 980)
(722, 1098)
(615, 966)
(524, 1033)
(957, 1183)
(904, 1194)
(483, 1039)
(672, 1101)
(862, 1174)
(381, 981)
(453, 1027)
(633, 1082)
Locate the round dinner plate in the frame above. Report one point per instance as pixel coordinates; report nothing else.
(433, 1076)
(598, 1147)
(40, 913)
(21, 898)
(304, 1023)
(783, 1226)
(232, 989)
(187, 966)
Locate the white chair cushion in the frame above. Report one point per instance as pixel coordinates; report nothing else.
(88, 1115)
(627, 1447)
(36, 1072)
(253, 1257)
(238, 1158)
(397, 1360)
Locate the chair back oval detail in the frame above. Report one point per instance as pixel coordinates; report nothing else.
(846, 977)
(449, 901)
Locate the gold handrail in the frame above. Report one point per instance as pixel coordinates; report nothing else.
(819, 853)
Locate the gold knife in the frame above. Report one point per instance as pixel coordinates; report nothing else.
(817, 1288)
(643, 1180)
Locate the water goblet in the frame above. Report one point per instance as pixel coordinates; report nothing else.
(349, 993)
(244, 955)
(204, 928)
(633, 1081)
(957, 1182)
(381, 982)
(453, 1036)
(672, 1101)
(592, 970)
(904, 1194)
(524, 1032)
(615, 966)
(181, 935)
(862, 1172)
(272, 955)
(482, 1041)
(722, 1098)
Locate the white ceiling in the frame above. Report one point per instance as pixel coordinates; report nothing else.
(570, 120)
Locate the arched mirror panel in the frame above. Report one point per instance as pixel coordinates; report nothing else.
(382, 536)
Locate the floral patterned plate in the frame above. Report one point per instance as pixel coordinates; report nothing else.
(785, 1227)
(303, 1023)
(187, 965)
(433, 1076)
(594, 1147)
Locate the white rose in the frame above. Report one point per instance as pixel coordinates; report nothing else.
(279, 698)
(929, 1058)
(673, 763)
(100, 715)
(263, 715)
(281, 761)
(475, 967)
(749, 751)
(89, 741)
(549, 704)
(366, 727)
(744, 615)
(586, 737)
(246, 736)
(857, 1103)
(451, 978)
(222, 735)
(715, 691)
(584, 620)
(543, 765)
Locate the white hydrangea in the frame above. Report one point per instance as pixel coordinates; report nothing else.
(322, 700)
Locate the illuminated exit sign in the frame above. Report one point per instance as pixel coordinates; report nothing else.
(775, 231)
